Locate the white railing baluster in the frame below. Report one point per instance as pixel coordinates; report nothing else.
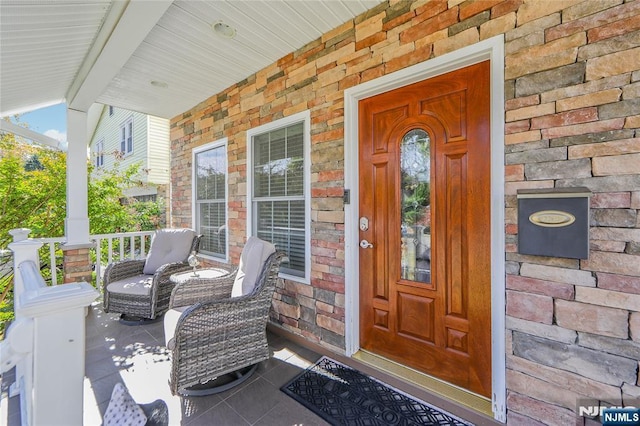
(142, 246)
(110, 252)
(52, 263)
(98, 264)
(121, 247)
(132, 247)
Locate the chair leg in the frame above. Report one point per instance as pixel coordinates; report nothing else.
(220, 384)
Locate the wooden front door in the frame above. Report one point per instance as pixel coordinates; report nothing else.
(425, 240)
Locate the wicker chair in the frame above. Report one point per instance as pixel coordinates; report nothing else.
(216, 328)
(140, 290)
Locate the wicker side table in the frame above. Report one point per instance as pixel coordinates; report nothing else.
(202, 274)
(190, 287)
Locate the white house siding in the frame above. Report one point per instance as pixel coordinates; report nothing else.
(158, 150)
(572, 85)
(108, 128)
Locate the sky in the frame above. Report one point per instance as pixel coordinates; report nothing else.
(50, 121)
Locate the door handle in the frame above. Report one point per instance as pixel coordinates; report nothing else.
(365, 244)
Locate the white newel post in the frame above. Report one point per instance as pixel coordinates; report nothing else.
(58, 350)
(23, 249)
(17, 348)
(46, 342)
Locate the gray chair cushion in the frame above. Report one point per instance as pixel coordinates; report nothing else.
(139, 285)
(168, 246)
(254, 254)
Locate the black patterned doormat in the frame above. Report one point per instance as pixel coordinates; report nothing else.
(344, 396)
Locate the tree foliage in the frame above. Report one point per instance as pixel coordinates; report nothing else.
(108, 210)
(33, 195)
(30, 197)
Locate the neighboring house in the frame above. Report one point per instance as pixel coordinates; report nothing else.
(124, 138)
(496, 97)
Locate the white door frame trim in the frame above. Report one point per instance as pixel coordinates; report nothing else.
(490, 49)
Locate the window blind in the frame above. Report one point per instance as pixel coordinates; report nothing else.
(211, 209)
(278, 193)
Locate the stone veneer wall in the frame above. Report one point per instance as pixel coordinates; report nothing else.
(572, 116)
(77, 265)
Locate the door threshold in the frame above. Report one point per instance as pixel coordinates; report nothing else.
(430, 384)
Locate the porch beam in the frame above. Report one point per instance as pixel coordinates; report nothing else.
(125, 28)
(7, 126)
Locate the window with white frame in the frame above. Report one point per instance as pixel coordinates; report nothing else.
(279, 195)
(100, 153)
(210, 198)
(126, 137)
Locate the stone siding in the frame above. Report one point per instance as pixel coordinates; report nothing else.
(77, 266)
(572, 112)
(568, 124)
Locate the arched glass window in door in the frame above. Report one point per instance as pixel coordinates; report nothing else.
(415, 169)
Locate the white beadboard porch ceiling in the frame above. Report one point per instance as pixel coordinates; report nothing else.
(85, 51)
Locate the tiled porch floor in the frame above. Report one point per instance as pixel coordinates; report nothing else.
(137, 357)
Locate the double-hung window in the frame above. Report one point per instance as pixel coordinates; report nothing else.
(100, 153)
(279, 194)
(210, 198)
(126, 137)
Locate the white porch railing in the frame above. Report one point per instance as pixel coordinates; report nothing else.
(46, 342)
(108, 248)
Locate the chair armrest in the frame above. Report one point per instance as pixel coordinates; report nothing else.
(163, 273)
(166, 270)
(202, 290)
(123, 269)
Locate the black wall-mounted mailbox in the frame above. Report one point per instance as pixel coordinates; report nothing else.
(554, 222)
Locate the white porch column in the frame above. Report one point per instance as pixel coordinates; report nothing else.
(77, 221)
